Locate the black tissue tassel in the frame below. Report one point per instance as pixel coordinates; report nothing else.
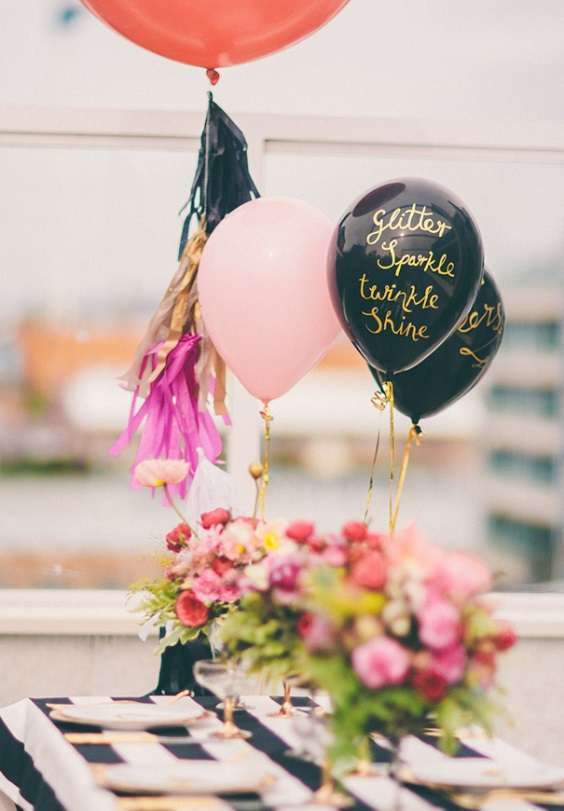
(222, 181)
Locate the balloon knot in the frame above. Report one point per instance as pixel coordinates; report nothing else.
(213, 75)
(417, 428)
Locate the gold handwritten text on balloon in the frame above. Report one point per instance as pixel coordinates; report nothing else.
(407, 299)
(404, 327)
(414, 218)
(490, 317)
(402, 221)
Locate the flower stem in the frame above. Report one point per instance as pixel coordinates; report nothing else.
(177, 510)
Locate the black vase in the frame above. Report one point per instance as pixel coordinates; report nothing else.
(177, 667)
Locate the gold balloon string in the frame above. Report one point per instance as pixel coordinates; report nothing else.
(367, 517)
(267, 418)
(413, 436)
(389, 395)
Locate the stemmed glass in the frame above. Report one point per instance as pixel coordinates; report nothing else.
(316, 742)
(224, 679)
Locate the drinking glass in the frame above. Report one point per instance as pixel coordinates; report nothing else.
(223, 679)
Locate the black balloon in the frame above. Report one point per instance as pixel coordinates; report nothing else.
(458, 364)
(404, 268)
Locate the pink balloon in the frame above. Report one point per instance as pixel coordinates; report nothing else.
(264, 295)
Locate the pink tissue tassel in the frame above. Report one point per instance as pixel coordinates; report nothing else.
(175, 427)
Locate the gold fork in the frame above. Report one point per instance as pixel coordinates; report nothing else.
(171, 803)
(475, 801)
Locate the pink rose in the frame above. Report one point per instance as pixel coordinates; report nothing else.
(285, 574)
(317, 632)
(370, 571)
(380, 661)
(449, 663)
(439, 624)
(409, 547)
(461, 576)
(334, 555)
(207, 586)
(229, 591)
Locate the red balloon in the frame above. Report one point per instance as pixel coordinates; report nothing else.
(215, 33)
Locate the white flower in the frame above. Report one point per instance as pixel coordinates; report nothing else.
(257, 574)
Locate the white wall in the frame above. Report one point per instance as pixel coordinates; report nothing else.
(417, 58)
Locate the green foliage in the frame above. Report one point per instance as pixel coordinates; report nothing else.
(478, 624)
(392, 711)
(159, 600)
(358, 710)
(462, 707)
(263, 635)
(329, 594)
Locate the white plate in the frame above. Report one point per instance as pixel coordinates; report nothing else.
(486, 774)
(186, 777)
(134, 716)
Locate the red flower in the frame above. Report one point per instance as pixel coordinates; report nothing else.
(370, 571)
(215, 517)
(485, 655)
(431, 686)
(304, 624)
(355, 531)
(178, 537)
(189, 610)
(316, 544)
(374, 540)
(300, 531)
(505, 638)
(221, 565)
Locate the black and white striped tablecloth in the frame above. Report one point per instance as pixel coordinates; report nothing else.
(40, 770)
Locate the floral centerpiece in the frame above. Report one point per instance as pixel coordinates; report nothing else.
(266, 632)
(396, 630)
(425, 651)
(202, 567)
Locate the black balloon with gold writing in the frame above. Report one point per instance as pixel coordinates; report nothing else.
(404, 268)
(458, 364)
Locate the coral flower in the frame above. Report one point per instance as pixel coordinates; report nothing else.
(300, 531)
(160, 472)
(215, 518)
(370, 571)
(189, 610)
(355, 531)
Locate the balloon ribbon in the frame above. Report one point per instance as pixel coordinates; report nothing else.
(370, 493)
(381, 401)
(413, 436)
(389, 394)
(267, 418)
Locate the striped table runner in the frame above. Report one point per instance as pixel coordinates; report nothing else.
(40, 769)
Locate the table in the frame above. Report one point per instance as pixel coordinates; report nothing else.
(40, 769)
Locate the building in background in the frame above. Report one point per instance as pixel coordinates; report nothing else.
(524, 438)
